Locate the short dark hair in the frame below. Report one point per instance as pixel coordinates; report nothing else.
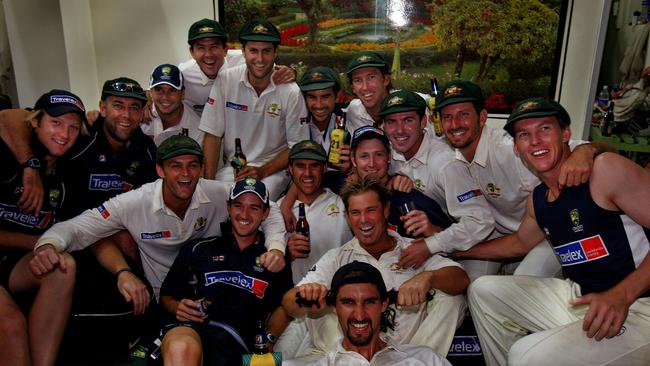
(369, 183)
(275, 44)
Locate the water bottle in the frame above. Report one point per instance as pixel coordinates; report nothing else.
(603, 98)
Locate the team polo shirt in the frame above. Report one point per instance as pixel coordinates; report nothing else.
(436, 173)
(189, 120)
(328, 229)
(597, 248)
(502, 177)
(95, 173)
(157, 230)
(266, 124)
(198, 85)
(391, 355)
(239, 289)
(408, 319)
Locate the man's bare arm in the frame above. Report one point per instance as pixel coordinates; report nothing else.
(577, 169)
(211, 152)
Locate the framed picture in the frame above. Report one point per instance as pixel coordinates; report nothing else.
(510, 47)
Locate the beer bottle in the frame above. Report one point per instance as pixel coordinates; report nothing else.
(337, 138)
(302, 226)
(238, 161)
(262, 355)
(198, 294)
(434, 116)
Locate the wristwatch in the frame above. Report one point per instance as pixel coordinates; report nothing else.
(33, 163)
(272, 339)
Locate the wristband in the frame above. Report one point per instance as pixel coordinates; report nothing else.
(117, 274)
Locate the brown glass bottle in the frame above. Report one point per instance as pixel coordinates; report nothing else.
(302, 226)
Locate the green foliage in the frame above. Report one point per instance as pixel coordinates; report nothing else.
(275, 7)
(240, 11)
(280, 19)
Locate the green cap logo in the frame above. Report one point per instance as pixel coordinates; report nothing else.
(528, 106)
(166, 70)
(363, 58)
(453, 90)
(317, 76)
(206, 29)
(250, 181)
(395, 100)
(260, 29)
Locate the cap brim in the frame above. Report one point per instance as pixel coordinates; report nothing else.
(166, 82)
(207, 35)
(126, 95)
(234, 197)
(457, 100)
(260, 38)
(370, 64)
(510, 124)
(397, 110)
(317, 86)
(308, 155)
(370, 136)
(59, 110)
(179, 152)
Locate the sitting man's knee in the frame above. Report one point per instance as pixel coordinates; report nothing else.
(179, 345)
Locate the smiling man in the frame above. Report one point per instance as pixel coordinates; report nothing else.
(160, 216)
(370, 82)
(167, 90)
(420, 320)
(438, 175)
(599, 232)
(245, 103)
(359, 298)
(229, 281)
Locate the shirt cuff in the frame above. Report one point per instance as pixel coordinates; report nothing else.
(275, 244)
(58, 244)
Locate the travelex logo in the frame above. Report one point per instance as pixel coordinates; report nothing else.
(465, 346)
(105, 182)
(237, 279)
(156, 235)
(13, 214)
(467, 195)
(237, 107)
(582, 251)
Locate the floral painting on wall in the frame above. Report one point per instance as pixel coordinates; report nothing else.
(509, 47)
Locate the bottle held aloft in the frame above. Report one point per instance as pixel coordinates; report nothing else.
(337, 139)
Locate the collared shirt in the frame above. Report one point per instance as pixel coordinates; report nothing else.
(436, 173)
(391, 355)
(502, 177)
(407, 319)
(266, 124)
(157, 230)
(328, 229)
(189, 120)
(198, 85)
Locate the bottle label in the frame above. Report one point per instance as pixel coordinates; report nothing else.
(336, 139)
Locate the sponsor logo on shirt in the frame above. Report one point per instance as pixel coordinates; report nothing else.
(103, 211)
(235, 278)
(105, 182)
(303, 120)
(274, 110)
(12, 213)
(156, 235)
(237, 107)
(465, 346)
(492, 190)
(575, 219)
(210, 101)
(102, 158)
(218, 258)
(582, 251)
(54, 196)
(467, 195)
